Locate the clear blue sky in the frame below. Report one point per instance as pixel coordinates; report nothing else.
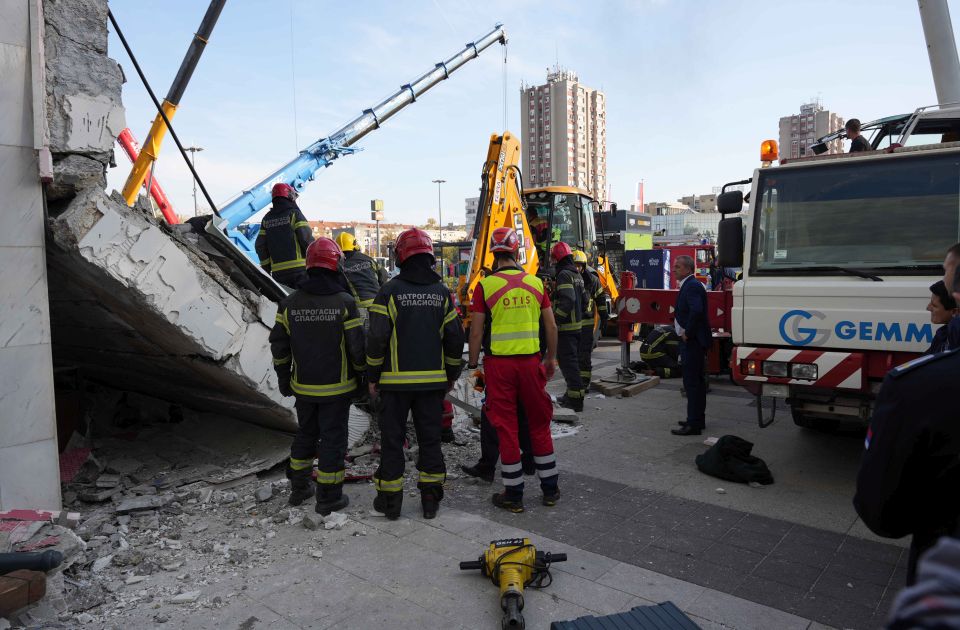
(692, 87)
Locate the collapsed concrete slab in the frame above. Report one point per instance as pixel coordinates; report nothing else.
(145, 309)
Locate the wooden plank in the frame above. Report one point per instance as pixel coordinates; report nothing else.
(608, 388)
(637, 388)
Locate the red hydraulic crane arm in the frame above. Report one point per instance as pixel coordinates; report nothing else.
(132, 149)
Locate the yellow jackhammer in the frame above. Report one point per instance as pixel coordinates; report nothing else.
(513, 564)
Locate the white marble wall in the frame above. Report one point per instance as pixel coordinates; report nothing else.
(29, 468)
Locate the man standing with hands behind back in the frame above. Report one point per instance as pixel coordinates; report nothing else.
(694, 330)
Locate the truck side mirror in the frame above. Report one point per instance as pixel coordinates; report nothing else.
(730, 202)
(613, 208)
(730, 241)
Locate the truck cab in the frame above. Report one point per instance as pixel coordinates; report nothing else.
(838, 254)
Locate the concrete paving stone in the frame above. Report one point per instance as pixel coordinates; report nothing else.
(763, 525)
(371, 609)
(445, 542)
(706, 624)
(682, 542)
(836, 612)
(598, 598)
(815, 537)
(862, 568)
(797, 551)
(849, 589)
(757, 542)
(664, 517)
(711, 522)
(726, 555)
(773, 594)
(668, 562)
(735, 612)
(453, 520)
(787, 572)
(872, 550)
(597, 487)
(619, 548)
(715, 576)
(650, 585)
(242, 612)
(541, 608)
(619, 507)
(579, 562)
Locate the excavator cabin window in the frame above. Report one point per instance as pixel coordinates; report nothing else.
(554, 217)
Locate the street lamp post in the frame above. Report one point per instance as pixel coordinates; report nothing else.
(439, 211)
(376, 213)
(193, 162)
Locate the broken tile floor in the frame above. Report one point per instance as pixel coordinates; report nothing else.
(214, 545)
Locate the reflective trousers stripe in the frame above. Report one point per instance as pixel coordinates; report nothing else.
(329, 478)
(432, 477)
(333, 389)
(300, 464)
(393, 485)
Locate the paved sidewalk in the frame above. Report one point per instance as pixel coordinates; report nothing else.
(405, 574)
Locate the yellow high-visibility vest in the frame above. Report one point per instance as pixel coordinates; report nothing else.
(513, 298)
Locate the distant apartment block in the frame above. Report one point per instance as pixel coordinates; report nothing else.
(661, 208)
(564, 134)
(799, 131)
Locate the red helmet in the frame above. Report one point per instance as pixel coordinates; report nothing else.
(323, 253)
(283, 190)
(413, 241)
(504, 240)
(560, 251)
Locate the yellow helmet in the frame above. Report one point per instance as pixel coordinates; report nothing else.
(346, 241)
(579, 257)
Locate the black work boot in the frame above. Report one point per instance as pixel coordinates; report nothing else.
(301, 485)
(509, 504)
(430, 497)
(571, 403)
(388, 504)
(551, 497)
(478, 472)
(330, 498)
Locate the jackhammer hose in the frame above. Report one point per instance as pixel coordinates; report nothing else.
(33, 561)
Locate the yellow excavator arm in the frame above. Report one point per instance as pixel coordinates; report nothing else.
(500, 205)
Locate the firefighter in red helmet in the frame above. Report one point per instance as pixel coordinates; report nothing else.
(284, 237)
(568, 302)
(318, 354)
(414, 355)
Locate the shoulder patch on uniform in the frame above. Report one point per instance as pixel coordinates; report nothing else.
(902, 369)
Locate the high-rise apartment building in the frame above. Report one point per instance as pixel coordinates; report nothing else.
(799, 131)
(564, 134)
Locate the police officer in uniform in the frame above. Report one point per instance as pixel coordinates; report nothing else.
(595, 301)
(508, 310)
(414, 355)
(317, 347)
(363, 273)
(284, 237)
(568, 306)
(910, 471)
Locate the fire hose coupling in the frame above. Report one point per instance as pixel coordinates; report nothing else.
(514, 564)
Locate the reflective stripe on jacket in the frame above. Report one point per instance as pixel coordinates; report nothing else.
(568, 298)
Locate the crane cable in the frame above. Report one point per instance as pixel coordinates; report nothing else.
(293, 83)
(505, 86)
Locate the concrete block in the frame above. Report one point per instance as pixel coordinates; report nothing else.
(21, 220)
(26, 398)
(30, 475)
(24, 306)
(16, 94)
(15, 26)
(650, 585)
(94, 123)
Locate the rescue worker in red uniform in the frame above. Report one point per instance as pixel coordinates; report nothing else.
(414, 355)
(568, 299)
(595, 301)
(509, 306)
(284, 237)
(317, 347)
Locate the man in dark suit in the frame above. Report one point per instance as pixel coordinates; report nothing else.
(690, 321)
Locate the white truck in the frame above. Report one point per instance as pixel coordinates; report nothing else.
(838, 254)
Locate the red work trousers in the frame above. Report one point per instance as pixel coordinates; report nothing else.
(523, 379)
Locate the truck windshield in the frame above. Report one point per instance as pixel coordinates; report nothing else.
(890, 214)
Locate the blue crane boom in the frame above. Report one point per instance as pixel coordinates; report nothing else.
(323, 152)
